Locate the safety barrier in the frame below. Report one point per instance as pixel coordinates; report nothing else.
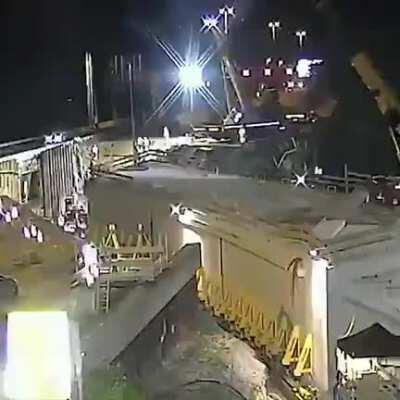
(152, 156)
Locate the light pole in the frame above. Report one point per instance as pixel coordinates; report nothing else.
(132, 115)
(91, 100)
(301, 36)
(227, 12)
(274, 26)
(210, 22)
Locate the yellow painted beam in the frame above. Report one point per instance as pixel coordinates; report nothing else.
(304, 364)
(293, 348)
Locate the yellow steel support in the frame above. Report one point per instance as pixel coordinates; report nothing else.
(258, 326)
(304, 364)
(238, 312)
(111, 239)
(228, 303)
(218, 305)
(279, 345)
(277, 335)
(229, 307)
(293, 348)
(247, 318)
(201, 283)
(272, 330)
(210, 297)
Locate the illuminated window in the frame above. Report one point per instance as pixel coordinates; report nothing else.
(267, 71)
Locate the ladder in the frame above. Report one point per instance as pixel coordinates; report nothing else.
(102, 294)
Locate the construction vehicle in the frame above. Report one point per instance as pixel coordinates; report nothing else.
(73, 217)
(382, 190)
(386, 98)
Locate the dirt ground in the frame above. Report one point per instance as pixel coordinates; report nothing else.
(184, 354)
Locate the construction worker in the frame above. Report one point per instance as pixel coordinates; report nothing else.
(34, 231)
(61, 220)
(90, 271)
(7, 217)
(26, 232)
(14, 212)
(39, 236)
(95, 152)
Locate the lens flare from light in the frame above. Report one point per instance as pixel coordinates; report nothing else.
(191, 76)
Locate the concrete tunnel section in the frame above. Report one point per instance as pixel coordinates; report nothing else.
(295, 291)
(265, 279)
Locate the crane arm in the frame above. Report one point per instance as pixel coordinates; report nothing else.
(386, 98)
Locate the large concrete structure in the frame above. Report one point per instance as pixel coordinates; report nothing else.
(296, 290)
(40, 173)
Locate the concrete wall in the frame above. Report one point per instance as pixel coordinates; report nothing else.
(268, 286)
(56, 166)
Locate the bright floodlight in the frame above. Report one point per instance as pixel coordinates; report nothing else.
(38, 356)
(191, 76)
(303, 68)
(210, 21)
(274, 24)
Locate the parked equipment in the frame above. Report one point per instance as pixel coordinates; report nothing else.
(73, 217)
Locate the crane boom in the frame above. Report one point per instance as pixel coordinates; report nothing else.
(386, 97)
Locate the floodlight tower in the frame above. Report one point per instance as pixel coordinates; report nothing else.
(274, 26)
(301, 35)
(227, 12)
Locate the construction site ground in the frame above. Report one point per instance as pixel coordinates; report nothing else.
(183, 357)
(43, 271)
(184, 354)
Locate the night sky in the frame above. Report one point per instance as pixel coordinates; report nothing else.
(43, 43)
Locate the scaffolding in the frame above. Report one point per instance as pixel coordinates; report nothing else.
(139, 263)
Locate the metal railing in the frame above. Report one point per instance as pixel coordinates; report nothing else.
(345, 184)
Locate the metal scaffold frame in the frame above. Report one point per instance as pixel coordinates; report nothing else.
(142, 262)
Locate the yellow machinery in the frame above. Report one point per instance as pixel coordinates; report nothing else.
(386, 98)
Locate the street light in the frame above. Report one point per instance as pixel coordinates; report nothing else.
(210, 22)
(274, 26)
(227, 12)
(242, 135)
(191, 76)
(301, 35)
